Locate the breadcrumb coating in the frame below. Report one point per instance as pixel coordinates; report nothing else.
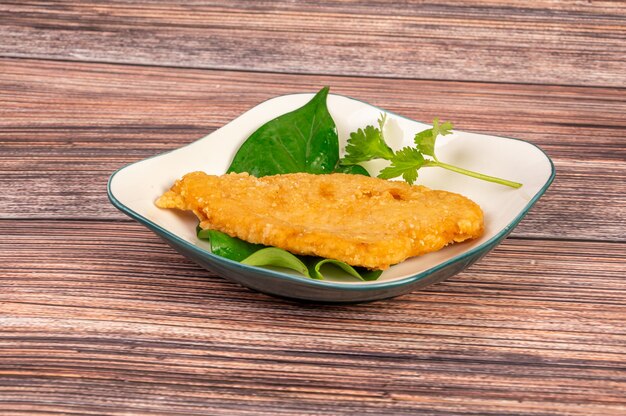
(360, 220)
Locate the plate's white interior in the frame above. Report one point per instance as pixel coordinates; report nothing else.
(138, 185)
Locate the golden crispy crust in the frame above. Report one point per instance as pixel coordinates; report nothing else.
(360, 220)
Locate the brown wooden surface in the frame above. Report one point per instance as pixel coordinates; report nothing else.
(569, 42)
(98, 316)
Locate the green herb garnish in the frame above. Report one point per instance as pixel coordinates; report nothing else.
(369, 144)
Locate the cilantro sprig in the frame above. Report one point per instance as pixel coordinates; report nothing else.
(369, 144)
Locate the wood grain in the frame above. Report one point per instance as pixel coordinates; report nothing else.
(98, 316)
(543, 42)
(64, 128)
(526, 331)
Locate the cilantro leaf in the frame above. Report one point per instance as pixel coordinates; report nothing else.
(441, 129)
(381, 125)
(405, 162)
(425, 140)
(367, 144)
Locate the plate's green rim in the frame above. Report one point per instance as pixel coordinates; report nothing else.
(486, 246)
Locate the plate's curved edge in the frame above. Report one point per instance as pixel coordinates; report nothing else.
(484, 247)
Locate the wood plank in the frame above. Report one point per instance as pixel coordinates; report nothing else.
(64, 128)
(543, 42)
(529, 330)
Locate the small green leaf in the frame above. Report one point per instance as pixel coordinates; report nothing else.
(405, 162)
(367, 144)
(425, 140)
(382, 119)
(226, 246)
(277, 257)
(360, 273)
(442, 129)
(352, 170)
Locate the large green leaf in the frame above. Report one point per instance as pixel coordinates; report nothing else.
(304, 140)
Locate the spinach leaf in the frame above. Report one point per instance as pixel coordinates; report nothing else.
(259, 255)
(352, 169)
(277, 257)
(360, 273)
(304, 140)
(226, 246)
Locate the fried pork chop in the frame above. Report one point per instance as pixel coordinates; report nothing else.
(360, 220)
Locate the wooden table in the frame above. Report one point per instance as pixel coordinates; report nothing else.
(98, 316)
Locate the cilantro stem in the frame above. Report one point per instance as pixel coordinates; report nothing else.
(473, 174)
